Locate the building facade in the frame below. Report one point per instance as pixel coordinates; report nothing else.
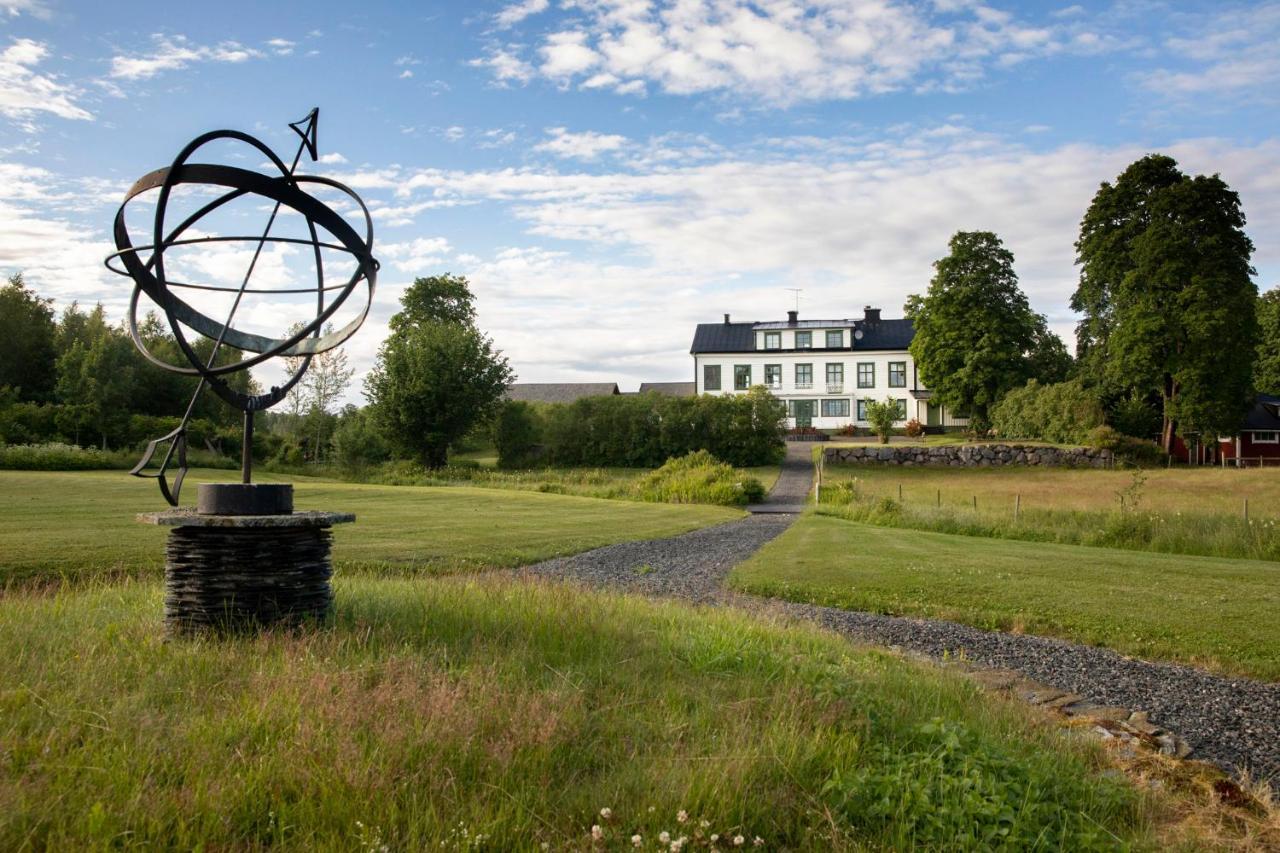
(826, 371)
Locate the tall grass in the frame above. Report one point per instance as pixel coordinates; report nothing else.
(504, 715)
(699, 478)
(1137, 529)
(69, 457)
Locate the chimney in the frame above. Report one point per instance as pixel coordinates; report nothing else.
(726, 319)
(871, 315)
(792, 317)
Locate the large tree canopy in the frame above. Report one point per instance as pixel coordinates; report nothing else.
(1168, 300)
(436, 374)
(27, 341)
(1266, 370)
(974, 330)
(442, 298)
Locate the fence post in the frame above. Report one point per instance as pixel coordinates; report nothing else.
(1246, 509)
(899, 493)
(939, 498)
(1017, 506)
(975, 503)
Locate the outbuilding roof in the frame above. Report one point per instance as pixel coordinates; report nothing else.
(559, 392)
(671, 389)
(1265, 414)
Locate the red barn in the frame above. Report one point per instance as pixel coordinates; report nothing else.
(1259, 440)
(1257, 443)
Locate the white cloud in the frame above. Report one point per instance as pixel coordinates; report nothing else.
(15, 8)
(517, 12)
(782, 51)
(25, 93)
(406, 74)
(417, 255)
(331, 157)
(173, 53)
(1228, 53)
(281, 47)
(580, 146)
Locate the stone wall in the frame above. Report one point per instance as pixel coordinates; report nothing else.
(972, 455)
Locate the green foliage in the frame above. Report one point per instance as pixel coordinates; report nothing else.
(881, 416)
(27, 333)
(430, 384)
(1135, 415)
(699, 478)
(356, 440)
(1167, 294)
(974, 330)
(1127, 448)
(1063, 413)
(1048, 361)
(1266, 370)
(443, 298)
(644, 430)
(52, 457)
(516, 434)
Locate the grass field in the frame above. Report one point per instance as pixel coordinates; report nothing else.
(1215, 613)
(81, 524)
(497, 714)
(1179, 511)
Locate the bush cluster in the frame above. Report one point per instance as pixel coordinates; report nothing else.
(1063, 413)
(1136, 451)
(643, 430)
(699, 478)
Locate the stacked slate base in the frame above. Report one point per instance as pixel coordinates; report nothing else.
(232, 573)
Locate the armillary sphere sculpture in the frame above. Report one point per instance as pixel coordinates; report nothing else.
(243, 558)
(145, 265)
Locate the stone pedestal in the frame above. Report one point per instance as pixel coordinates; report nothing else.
(246, 572)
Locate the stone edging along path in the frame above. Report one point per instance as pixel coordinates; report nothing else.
(1231, 722)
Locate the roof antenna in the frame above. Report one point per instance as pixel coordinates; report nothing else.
(797, 291)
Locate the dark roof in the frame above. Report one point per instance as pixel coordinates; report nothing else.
(724, 337)
(671, 389)
(559, 392)
(740, 337)
(1264, 415)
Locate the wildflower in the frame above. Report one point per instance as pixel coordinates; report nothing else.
(546, 845)
(757, 842)
(606, 813)
(637, 840)
(738, 841)
(596, 832)
(664, 836)
(682, 815)
(715, 836)
(677, 845)
(704, 823)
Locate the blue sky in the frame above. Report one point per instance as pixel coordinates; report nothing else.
(610, 172)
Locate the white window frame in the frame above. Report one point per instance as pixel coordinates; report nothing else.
(844, 413)
(903, 383)
(804, 340)
(773, 340)
(831, 332)
(1275, 436)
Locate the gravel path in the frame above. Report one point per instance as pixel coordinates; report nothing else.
(1232, 722)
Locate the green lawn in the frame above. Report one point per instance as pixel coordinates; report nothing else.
(498, 714)
(1211, 612)
(82, 523)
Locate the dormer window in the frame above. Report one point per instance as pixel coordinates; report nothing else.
(804, 340)
(835, 339)
(773, 340)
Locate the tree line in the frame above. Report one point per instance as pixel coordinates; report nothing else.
(1173, 338)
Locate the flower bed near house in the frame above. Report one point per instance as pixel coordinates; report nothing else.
(806, 434)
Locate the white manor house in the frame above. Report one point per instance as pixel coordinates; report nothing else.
(826, 370)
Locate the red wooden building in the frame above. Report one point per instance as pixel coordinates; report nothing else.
(1257, 443)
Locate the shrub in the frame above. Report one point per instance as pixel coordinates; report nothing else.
(881, 416)
(914, 428)
(54, 457)
(357, 441)
(847, 429)
(644, 430)
(1064, 413)
(1126, 448)
(1135, 416)
(698, 477)
(516, 434)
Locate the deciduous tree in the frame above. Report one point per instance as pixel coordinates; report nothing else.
(28, 354)
(974, 330)
(1168, 297)
(1266, 370)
